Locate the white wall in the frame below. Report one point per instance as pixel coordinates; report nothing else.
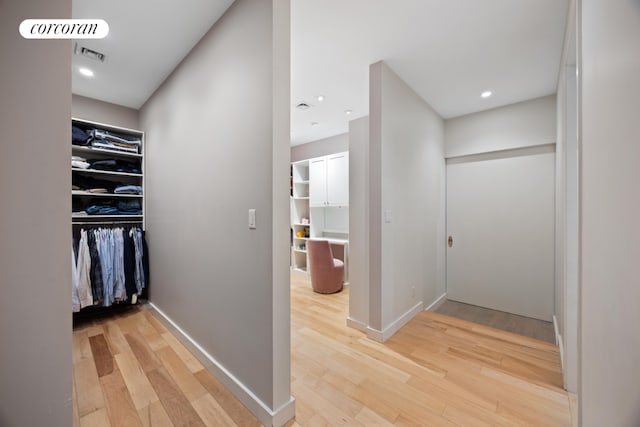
(225, 285)
(566, 292)
(406, 202)
(35, 223)
(321, 147)
(104, 112)
(610, 211)
(359, 223)
(524, 124)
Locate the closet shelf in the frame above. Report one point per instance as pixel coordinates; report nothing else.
(89, 194)
(101, 172)
(301, 182)
(75, 216)
(102, 151)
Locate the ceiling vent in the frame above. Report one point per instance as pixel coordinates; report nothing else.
(90, 53)
(303, 106)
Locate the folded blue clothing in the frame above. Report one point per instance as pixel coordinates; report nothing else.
(102, 210)
(78, 136)
(128, 189)
(129, 206)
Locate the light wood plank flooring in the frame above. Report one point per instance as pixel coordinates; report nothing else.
(128, 371)
(436, 371)
(533, 328)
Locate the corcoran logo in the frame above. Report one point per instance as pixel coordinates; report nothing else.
(64, 29)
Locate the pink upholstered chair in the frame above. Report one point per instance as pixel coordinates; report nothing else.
(326, 271)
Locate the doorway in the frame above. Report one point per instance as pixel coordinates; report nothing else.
(500, 228)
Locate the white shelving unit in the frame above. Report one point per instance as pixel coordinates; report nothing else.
(300, 215)
(82, 197)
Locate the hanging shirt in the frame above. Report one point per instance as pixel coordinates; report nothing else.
(83, 271)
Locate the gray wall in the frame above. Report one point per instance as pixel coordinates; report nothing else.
(610, 211)
(567, 231)
(104, 112)
(524, 124)
(35, 225)
(213, 153)
(321, 147)
(359, 223)
(406, 172)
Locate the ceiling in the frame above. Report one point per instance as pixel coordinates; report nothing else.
(147, 40)
(448, 51)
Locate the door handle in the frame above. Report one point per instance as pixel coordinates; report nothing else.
(450, 241)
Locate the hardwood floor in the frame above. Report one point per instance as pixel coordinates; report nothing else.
(521, 325)
(128, 370)
(436, 371)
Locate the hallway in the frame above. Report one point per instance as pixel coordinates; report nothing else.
(437, 371)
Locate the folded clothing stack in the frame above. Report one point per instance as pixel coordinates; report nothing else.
(103, 139)
(111, 207)
(93, 185)
(79, 162)
(79, 136)
(102, 208)
(128, 189)
(130, 207)
(113, 165)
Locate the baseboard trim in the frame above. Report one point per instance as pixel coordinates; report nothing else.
(560, 345)
(561, 348)
(437, 303)
(386, 333)
(374, 334)
(356, 324)
(257, 407)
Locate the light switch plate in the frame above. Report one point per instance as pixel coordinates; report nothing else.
(252, 219)
(387, 216)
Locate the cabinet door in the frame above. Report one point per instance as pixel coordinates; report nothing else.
(338, 179)
(318, 181)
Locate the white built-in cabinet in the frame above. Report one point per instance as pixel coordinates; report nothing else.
(329, 180)
(319, 205)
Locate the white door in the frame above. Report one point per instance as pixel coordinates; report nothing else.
(500, 219)
(318, 181)
(338, 179)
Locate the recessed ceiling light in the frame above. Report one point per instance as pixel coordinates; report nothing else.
(303, 106)
(314, 123)
(486, 94)
(85, 72)
(320, 98)
(347, 112)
